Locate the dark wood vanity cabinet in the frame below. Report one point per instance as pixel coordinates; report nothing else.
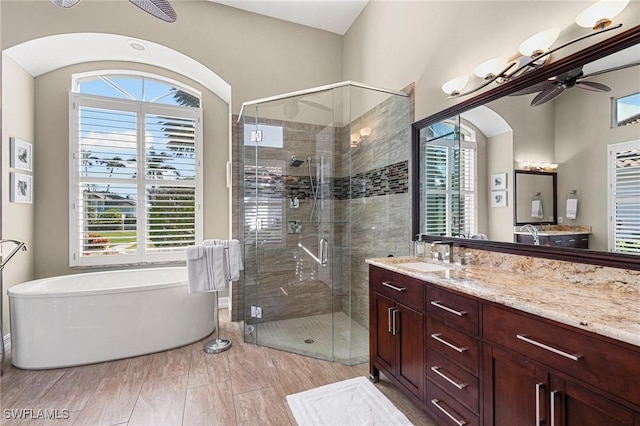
(483, 363)
(565, 240)
(397, 329)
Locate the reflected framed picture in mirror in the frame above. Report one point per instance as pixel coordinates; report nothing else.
(498, 181)
(498, 198)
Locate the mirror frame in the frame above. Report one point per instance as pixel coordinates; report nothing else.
(554, 177)
(591, 53)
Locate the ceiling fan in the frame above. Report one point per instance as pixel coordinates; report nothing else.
(161, 9)
(554, 86)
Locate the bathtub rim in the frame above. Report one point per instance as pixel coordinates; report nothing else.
(17, 291)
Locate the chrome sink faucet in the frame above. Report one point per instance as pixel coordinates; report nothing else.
(448, 244)
(533, 231)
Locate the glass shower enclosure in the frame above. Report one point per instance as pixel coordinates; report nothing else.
(311, 164)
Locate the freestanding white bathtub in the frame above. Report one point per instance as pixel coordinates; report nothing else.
(102, 316)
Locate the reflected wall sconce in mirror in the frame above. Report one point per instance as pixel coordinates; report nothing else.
(539, 167)
(359, 137)
(535, 52)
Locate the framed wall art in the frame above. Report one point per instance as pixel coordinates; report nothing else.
(21, 154)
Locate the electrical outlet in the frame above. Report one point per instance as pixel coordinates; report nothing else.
(559, 219)
(258, 312)
(253, 311)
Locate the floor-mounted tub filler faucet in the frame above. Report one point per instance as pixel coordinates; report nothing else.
(533, 231)
(20, 245)
(448, 244)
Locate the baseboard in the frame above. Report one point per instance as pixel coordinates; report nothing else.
(223, 302)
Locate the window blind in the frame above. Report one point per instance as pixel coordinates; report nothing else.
(134, 181)
(263, 202)
(624, 169)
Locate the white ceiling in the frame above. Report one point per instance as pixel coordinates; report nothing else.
(335, 16)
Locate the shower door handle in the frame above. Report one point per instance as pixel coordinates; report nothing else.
(324, 252)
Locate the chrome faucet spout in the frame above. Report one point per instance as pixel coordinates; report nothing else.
(20, 245)
(533, 231)
(448, 244)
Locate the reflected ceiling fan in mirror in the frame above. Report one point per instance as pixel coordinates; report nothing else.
(160, 9)
(555, 86)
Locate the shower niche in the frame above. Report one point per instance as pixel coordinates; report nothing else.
(322, 185)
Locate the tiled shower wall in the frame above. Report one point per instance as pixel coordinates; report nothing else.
(370, 204)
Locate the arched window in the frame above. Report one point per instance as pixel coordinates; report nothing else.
(135, 171)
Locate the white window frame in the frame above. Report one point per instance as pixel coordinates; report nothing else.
(141, 108)
(613, 149)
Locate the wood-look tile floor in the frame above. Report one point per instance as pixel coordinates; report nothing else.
(246, 385)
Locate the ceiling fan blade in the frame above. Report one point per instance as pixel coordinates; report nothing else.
(315, 105)
(593, 86)
(161, 9)
(546, 96)
(65, 3)
(621, 67)
(538, 87)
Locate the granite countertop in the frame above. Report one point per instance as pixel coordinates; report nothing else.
(549, 233)
(598, 308)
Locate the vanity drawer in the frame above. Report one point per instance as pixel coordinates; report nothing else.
(446, 409)
(457, 310)
(602, 364)
(459, 348)
(460, 384)
(401, 288)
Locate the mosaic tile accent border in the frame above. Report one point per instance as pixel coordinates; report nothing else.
(391, 179)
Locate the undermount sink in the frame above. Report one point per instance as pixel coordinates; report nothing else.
(425, 267)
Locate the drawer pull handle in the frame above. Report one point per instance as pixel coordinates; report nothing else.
(388, 284)
(436, 370)
(452, 346)
(539, 386)
(524, 338)
(448, 309)
(439, 407)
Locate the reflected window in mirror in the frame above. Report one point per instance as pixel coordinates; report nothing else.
(626, 110)
(448, 167)
(624, 197)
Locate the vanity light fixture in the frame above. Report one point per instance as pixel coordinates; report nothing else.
(535, 52)
(490, 68)
(540, 167)
(454, 86)
(539, 43)
(601, 14)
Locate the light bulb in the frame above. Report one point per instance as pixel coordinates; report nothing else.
(454, 86)
(539, 43)
(599, 15)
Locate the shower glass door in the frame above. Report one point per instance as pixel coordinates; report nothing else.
(290, 171)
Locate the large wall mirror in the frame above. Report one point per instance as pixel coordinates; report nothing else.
(475, 165)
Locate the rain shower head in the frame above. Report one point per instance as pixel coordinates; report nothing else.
(295, 162)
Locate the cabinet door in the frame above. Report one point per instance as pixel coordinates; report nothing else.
(572, 405)
(384, 347)
(515, 391)
(410, 348)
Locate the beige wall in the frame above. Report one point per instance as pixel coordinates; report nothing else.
(257, 55)
(17, 218)
(500, 160)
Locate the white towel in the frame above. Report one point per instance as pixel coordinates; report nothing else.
(572, 208)
(205, 268)
(536, 209)
(197, 270)
(234, 265)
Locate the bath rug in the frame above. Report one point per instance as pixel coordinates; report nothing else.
(347, 403)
